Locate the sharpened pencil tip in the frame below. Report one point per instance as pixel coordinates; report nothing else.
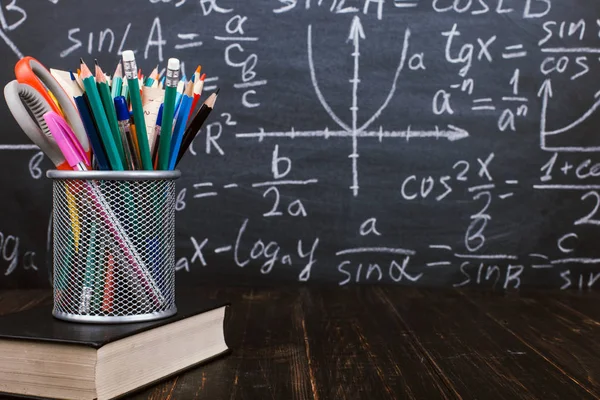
(81, 60)
(72, 75)
(96, 61)
(217, 91)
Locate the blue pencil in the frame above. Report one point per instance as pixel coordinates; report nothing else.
(181, 121)
(179, 96)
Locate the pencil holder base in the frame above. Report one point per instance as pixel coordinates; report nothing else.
(95, 319)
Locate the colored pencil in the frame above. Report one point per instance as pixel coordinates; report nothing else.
(117, 82)
(130, 67)
(99, 114)
(172, 77)
(152, 77)
(196, 124)
(109, 108)
(82, 105)
(181, 122)
(198, 86)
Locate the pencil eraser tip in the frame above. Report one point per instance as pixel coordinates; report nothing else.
(173, 63)
(128, 55)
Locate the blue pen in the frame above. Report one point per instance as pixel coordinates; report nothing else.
(131, 160)
(90, 127)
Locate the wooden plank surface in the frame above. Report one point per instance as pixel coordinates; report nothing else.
(360, 351)
(477, 356)
(564, 337)
(385, 342)
(264, 329)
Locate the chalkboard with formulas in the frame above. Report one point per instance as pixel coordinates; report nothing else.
(418, 142)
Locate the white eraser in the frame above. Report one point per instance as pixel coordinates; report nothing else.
(128, 55)
(173, 64)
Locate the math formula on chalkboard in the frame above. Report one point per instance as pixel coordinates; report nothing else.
(424, 142)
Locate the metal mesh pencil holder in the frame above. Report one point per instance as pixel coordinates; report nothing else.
(114, 245)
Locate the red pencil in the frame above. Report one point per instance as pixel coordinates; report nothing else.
(198, 86)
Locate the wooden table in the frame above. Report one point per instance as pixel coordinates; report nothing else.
(391, 343)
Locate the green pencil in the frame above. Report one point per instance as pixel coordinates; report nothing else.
(117, 82)
(166, 128)
(109, 108)
(125, 90)
(108, 141)
(138, 110)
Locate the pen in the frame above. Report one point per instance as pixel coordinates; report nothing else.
(131, 158)
(130, 67)
(172, 77)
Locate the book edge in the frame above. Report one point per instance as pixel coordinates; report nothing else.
(98, 345)
(175, 373)
(221, 344)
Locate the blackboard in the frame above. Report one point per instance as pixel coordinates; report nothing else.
(418, 142)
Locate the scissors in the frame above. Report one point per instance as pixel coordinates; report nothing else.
(31, 96)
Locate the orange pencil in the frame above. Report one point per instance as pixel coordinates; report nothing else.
(135, 141)
(108, 296)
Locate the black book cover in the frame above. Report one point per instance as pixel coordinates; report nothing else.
(38, 324)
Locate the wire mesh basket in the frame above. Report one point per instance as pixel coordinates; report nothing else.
(114, 245)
